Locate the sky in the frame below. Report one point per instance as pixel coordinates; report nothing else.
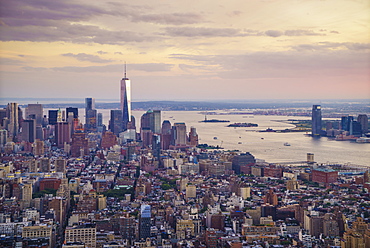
(186, 50)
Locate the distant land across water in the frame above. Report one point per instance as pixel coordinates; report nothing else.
(344, 105)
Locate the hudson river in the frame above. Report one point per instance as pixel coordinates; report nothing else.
(268, 146)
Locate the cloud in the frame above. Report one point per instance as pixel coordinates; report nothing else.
(285, 64)
(274, 33)
(147, 67)
(204, 32)
(10, 61)
(296, 32)
(75, 33)
(101, 52)
(321, 46)
(172, 19)
(302, 32)
(87, 57)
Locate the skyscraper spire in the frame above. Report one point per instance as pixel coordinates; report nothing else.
(125, 70)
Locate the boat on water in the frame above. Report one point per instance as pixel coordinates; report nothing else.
(240, 143)
(286, 144)
(215, 138)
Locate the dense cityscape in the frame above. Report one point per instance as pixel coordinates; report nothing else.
(68, 184)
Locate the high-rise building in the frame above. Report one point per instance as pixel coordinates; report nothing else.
(100, 120)
(72, 110)
(62, 133)
(115, 123)
(145, 221)
(90, 114)
(53, 117)
(34, 111)
(364, 121)
(316, 120)
(125, 100)
(179, 134)
(13, 115)
(193, 137)
(79, 146)
(29, 130)
(166, 135)
(345, 123)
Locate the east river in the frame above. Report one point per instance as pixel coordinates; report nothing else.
(268, 146)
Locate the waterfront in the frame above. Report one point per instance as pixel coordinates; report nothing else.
(268, 146)
(271, 148)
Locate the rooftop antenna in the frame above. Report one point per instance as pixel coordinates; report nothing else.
(125, 69)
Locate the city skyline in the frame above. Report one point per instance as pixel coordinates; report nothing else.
(193, 50)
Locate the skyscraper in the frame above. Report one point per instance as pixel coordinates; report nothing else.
(72, 110)
(345, 123)
(125, 100)
(90, 114)
(152, 121)
(12, 113)
(179, 134)
(316, 120)
(53, 117)
(29, 130)
(115, 123)
(144, 222)
(364, 120)
(34, 111)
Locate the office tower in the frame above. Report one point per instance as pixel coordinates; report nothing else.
(355, 128)
(90, 114)
(156, 146)
(62, 133)
(13, 115)
(125, 101)
(155, 121)
(193, 137)
(34, 111)
(151, 120)
(316, 120)
(166, 135)
(345, 123)
(100, 120)
(79, 146)
(72, 110)
(145, 222)
(3, 115)
(364, 121)
(115, 123)
(166, 127)
(29, 130)
(3, 137)
(179, 134)
(53, 117)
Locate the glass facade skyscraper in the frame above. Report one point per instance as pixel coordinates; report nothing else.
(125, 100)
(316, 120)
(145, 221)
